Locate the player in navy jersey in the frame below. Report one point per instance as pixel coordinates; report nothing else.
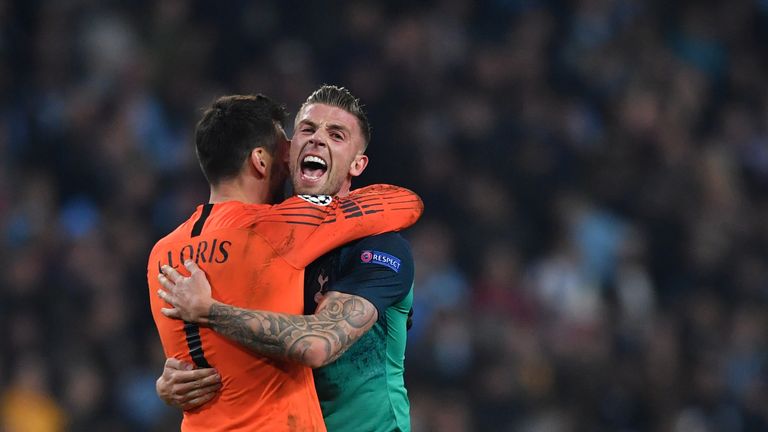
(364, 388)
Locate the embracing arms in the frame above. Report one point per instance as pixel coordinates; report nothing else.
(312, 340)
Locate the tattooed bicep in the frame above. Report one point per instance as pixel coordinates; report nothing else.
(355, 311)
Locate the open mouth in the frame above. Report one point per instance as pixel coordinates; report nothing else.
(313, 167)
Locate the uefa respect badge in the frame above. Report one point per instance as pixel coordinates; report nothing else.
(380, 258)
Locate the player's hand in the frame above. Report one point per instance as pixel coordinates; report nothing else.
(189, 296)
(184, 387)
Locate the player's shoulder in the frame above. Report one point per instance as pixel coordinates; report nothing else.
(381, 189)
(388, 240)
(177, 232)
(230, 214)
(236, 215)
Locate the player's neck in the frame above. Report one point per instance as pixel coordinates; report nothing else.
(238, 189)
(345, 188)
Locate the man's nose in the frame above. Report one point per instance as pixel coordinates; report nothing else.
(317, 139)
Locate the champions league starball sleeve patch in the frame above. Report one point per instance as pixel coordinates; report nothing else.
(380, 258)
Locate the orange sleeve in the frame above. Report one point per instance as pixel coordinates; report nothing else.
(303, 228)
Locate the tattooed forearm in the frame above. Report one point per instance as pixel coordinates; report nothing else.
(313, 340)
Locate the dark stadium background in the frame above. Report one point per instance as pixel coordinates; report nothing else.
(594, 251)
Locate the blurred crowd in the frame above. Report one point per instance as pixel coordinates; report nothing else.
(594, 251)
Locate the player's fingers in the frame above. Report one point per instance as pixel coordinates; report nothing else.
(167, 297)
(165, 282)
(199, 401)
(192, 267)
(197, 393)
(176, 364)
(185, 387)
(171, 273)
(197, 377)
(171, 313)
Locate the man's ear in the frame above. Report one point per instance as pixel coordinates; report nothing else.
(358, 165)
(259, 161)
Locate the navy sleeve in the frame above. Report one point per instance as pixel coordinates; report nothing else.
(377, 268)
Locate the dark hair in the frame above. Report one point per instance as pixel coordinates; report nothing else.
(231, 128)
(340, 97)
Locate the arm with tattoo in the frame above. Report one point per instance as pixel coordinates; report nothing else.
(313, 340)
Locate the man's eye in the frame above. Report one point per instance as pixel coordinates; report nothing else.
(307, 130)
(337, 136)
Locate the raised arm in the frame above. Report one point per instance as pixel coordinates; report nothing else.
(312, 340)
(305, 227)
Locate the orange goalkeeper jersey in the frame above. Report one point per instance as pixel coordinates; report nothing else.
(254, 256)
